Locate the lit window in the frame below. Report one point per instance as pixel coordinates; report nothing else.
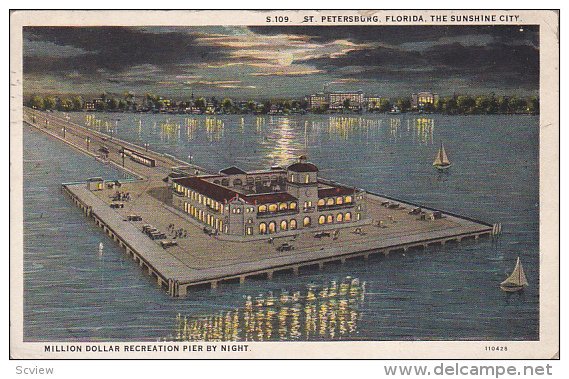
(306, 221)
(348, 199)
(339, 217)
(321, 220)
(358, 216)
(339, 200)
(330, 219)
(262, 228)
(284, 225)
(283, 206)
(307, 179)
(348, 217)
(292, 224)
(321, 202)
(292, 205)
(273, 208)
(262, 208)
(272, 227)
(330, 201)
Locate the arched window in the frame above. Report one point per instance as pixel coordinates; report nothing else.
(348, 199)
(283, 206)
(322, 220)
(284, 225)
(307, 178)
(292, 224)
(330, 201)
(339, 200)
(273, 207)
(292, 205)
(262, 228)
(330, 219)
(306, 221)
(348, 217)
(339, 217)
(216, 181)
(262, 208)
(321, 202)
(272, 227)
(237, 182)
(224, 182)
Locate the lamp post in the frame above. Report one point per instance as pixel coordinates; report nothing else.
(122, 154)
(88, 140)
(63, 130)
(146, 146)
(190, 158)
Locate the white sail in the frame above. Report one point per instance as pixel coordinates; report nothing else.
(441, 159)
(517, 278)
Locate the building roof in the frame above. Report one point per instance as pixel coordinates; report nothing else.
(302, 167)
(232, 171)
(265, 198)
(224, 194)
(211, 190)
(335, 191)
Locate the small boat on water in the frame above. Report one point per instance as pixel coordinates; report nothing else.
(516, 281)
(441, 160)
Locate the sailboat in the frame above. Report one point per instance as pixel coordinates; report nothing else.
(441, 160)
(516, 281)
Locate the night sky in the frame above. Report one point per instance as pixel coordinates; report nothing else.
(274, 62)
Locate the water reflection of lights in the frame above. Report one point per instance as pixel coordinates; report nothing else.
(424, 128)
(346, 127)
(330, 312)
(282, 142)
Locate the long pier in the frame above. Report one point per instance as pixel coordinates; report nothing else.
(207, 261)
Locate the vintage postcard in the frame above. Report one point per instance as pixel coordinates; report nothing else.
(284, 184)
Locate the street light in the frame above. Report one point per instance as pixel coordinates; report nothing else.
(190, 158)
(88, 140)
(63, 130)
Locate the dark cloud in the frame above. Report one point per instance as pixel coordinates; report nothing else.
(403, 34)
(484, 58)
(511, 66)
(115, 49)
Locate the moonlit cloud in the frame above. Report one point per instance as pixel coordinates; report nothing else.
(264, 62)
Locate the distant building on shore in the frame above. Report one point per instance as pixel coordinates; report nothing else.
(421, 99)
(276, 201)
(317, 101)
(337, 100)
(372, 102)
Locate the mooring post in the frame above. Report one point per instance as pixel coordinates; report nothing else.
(214, 284)
(270, 275)
(320, 265)
(295, 270)
(242, 279)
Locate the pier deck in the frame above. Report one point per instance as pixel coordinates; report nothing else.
(200, 259)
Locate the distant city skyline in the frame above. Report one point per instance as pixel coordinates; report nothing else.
(281, 62)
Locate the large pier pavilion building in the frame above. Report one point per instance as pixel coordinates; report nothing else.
(274, 201)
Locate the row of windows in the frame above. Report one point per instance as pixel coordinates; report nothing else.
(204, 217)
(335, 201)
(277, 207)
(297, 178)
(340, 217)
(204, 200)
(271, 227)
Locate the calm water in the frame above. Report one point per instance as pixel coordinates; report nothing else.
(449, 293)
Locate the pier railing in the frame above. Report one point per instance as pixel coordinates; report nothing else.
(432, 209)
